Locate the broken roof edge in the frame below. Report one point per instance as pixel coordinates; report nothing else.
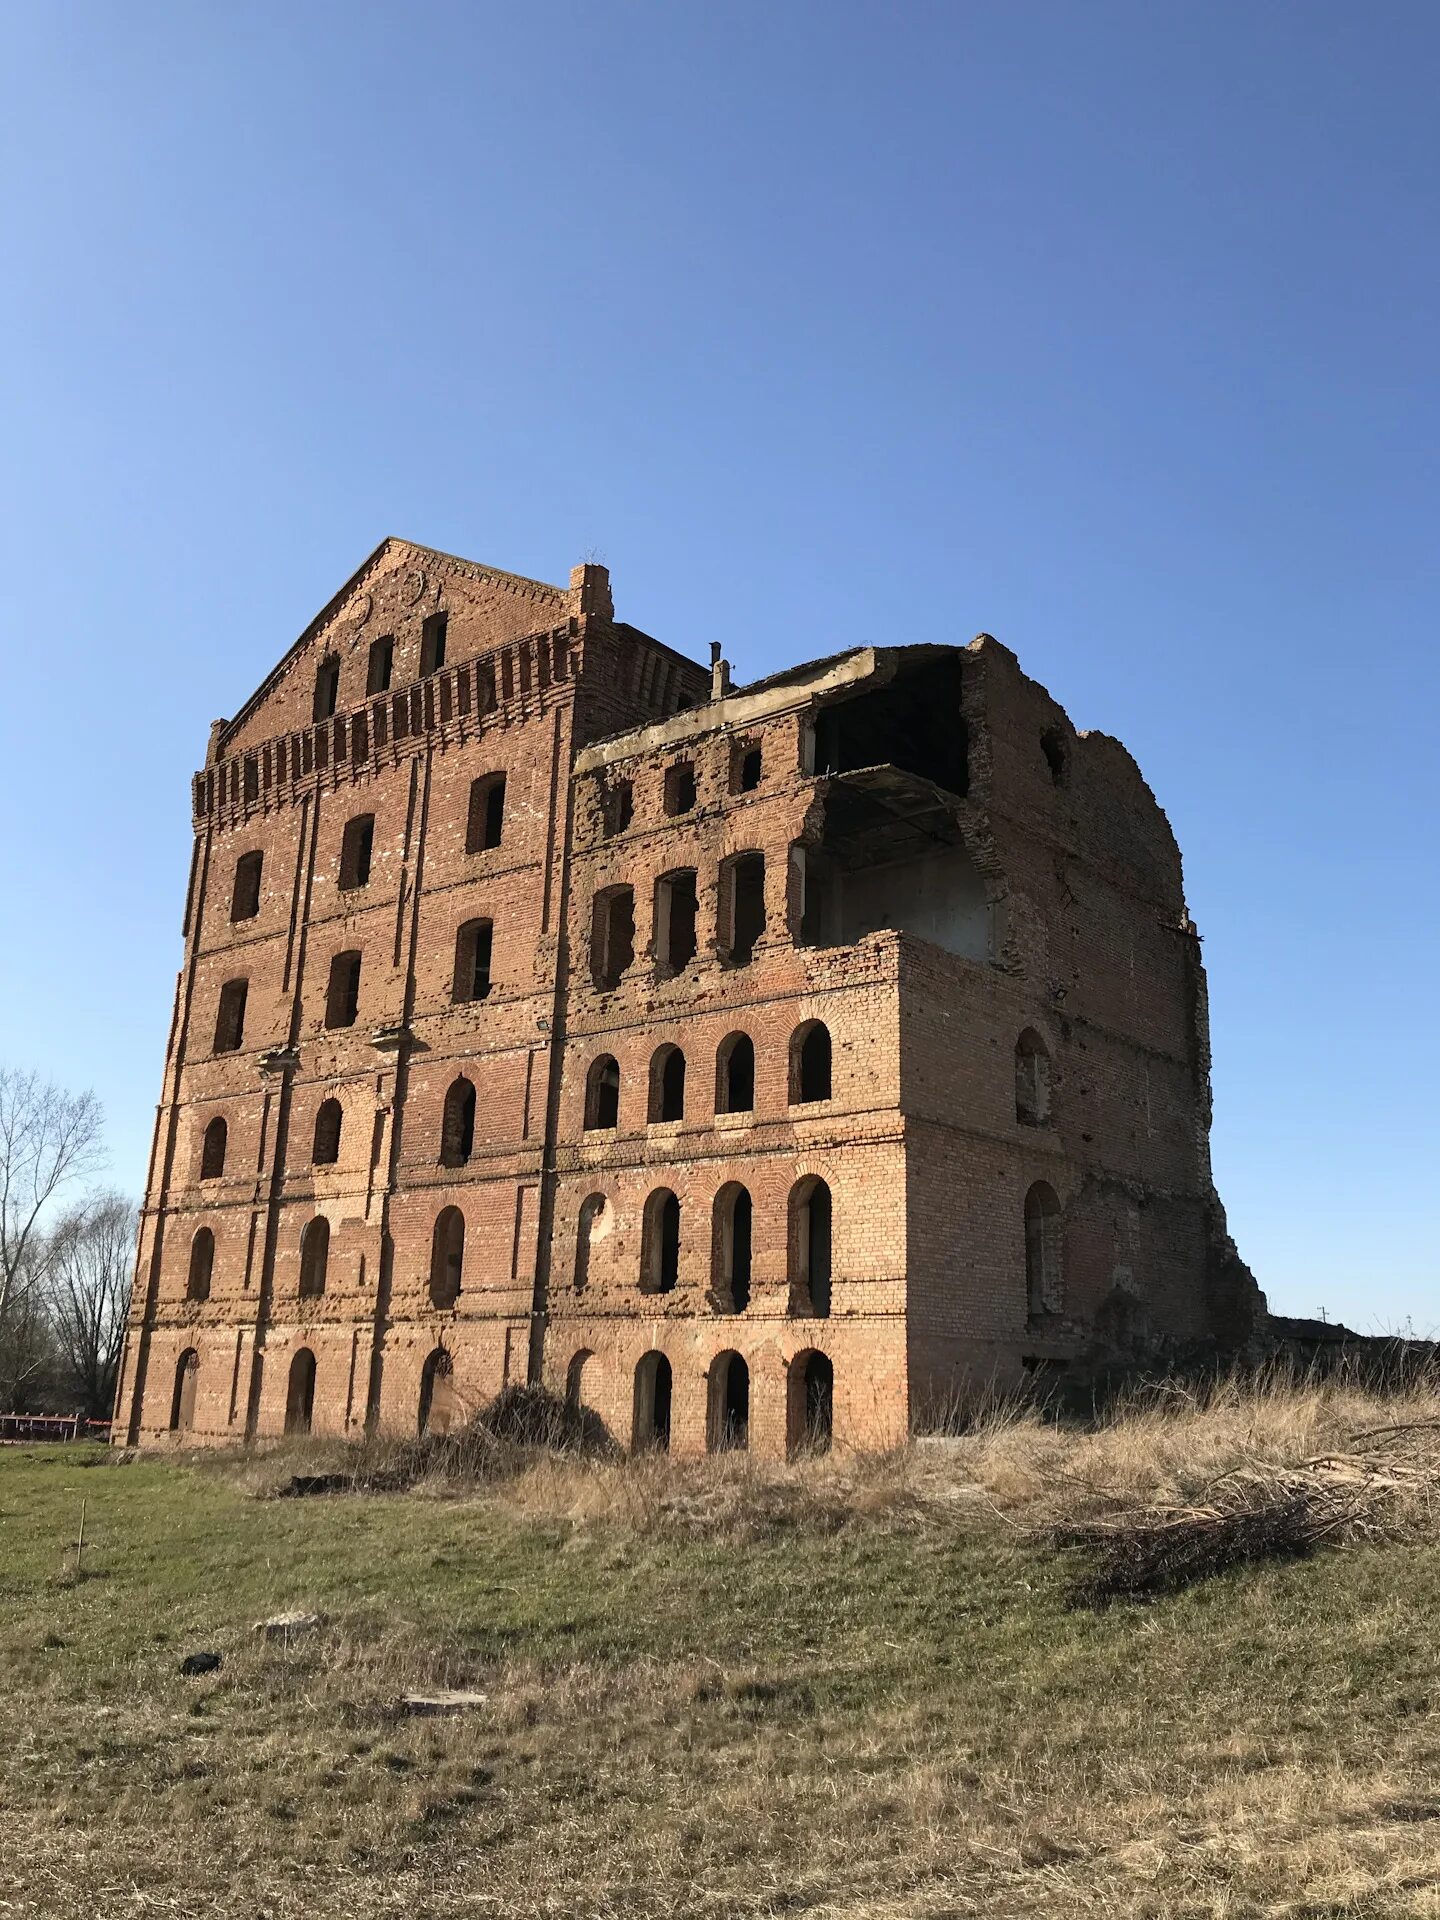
(224, 733)
(762, 700)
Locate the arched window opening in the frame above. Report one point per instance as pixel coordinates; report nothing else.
(245, 894)
(485, 822)
(447, 1257)
(202, 1265)
(575, 1378)
(230, 1018)
(381, 665)
(735, 1074)
(811, 1403)
(182, 1400)
(602, 1093)
(810, 1075)
(432, 643)
(314, 1257)
(473, 944)
(653, 1387)
(742, 906)
(667, 1084)
(357, 851)
(457, 1126)
(327, 688)
(677, 905)
(1044, 1242)
(437, 1394)
(325, 1150)
(212, 1153)
(300, 1393)
(342, 996)
(730, 1262)
(660, 1243)
(612, 935)
(810, 1227)
(591, 1226)
(727, 1424)
(1032, 1080)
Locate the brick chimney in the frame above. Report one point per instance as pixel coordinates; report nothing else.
(590, 591)
(719, 673)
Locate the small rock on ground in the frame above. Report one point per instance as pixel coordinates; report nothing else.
(284, 1626)
(194, 1663)
(447, 1700)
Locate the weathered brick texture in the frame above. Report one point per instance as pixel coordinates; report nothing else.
(464, 1185)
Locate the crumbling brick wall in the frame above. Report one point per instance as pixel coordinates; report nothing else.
(907, 855)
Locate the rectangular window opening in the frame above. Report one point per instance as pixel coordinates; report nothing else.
(382, 664)
(612, 935)
(677, 905)
(432, 643)
(342, 998)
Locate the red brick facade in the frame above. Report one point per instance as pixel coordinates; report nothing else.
(749, 1064)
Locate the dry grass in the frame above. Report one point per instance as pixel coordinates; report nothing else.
(848, 1687)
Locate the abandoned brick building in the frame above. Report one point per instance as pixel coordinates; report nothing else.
(754, 1065)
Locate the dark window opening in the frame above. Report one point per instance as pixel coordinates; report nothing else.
(731, 1255)
(212, 1153)
(810, 1063)
(230, 1020)
(575, 1378)
(1057, 756)
(202, 1265)
(742, 896)
(437, 1394)
(357, 848)
(653, 1387)
(617, 807)
(342, 996)
(602, 1093)
(1043, 1248)
(819, 895)
(182, 1400)
(612, 935)
(300, 1393)
(245, 895)
(728, 1422)
(382, 664)
(486, 820)
(812, 1403)
(1032, 1080)
(327, 688)
(660, 1243)
(677, 905)
(735, 1074)
(680, 787)
(447, 1257)
(810, 1253)
(325, 1148)
(432, 643)
(473, 945)
(314, 1257)
(667, 1084)
(745, 767)
(457, 1126)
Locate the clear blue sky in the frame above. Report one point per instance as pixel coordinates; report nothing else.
(1109, 329)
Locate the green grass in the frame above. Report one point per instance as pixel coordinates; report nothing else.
(880, 1706)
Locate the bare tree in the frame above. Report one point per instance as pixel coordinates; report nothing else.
(91, 1254)
(48, 1140)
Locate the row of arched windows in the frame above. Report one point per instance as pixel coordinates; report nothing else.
(810, 1078)
(810, 1396)
(808, 1261)
(732, 1222)
(447, 1259)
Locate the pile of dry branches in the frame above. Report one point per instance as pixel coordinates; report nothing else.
(1380, 1486)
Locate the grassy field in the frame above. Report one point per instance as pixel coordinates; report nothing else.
(842, 1688)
